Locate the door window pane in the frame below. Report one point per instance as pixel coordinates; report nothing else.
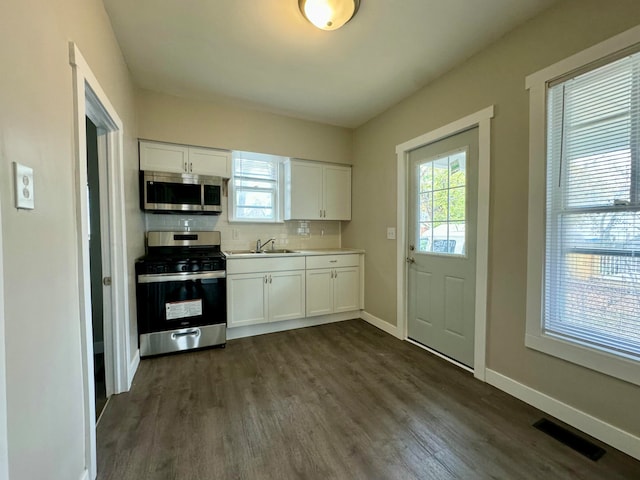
(442, 204)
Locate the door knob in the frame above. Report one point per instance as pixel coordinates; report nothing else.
(411, 260)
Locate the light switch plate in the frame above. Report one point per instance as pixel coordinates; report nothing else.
(391, 233)
(24, 186)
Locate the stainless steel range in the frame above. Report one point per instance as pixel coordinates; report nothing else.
(181, 292)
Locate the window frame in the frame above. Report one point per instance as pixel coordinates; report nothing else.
(278, 190)
(614, 364)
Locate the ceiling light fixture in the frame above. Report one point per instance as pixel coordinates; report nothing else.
(328, 14)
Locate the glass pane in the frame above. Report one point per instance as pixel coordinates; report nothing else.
(441, 173)
(248, 198)
(426, 177)
(425, 237)
(598, 179)
(254, 183)
(426, 207)
(441, 205)
(254, 212)
(457, 238)
(266, 169)
(457, 170)
(457, 203)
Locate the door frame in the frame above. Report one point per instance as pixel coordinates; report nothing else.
(481, 120)
(90, 100)
(4, 438)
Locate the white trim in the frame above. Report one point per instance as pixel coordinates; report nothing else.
(91, 100)
(133, 367)
(84, 475)
(535, 337)
(4, 439)
(440, 355)
(482, 120)
(614, 436)
(585, 57)
(381, 324)
(263, 328)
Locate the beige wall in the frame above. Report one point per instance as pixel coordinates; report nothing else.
(178, 120)
(494, 77)
(42, 325)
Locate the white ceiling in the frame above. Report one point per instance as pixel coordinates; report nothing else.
(263, 53)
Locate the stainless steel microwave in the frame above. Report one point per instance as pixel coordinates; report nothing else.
(163, 192)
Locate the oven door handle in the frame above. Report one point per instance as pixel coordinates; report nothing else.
(180, 277)
(187, 333)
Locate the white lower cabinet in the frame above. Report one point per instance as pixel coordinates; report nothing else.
(276, 289)
(265, 296)
(333, 290)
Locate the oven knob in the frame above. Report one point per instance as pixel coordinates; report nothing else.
(183, 268)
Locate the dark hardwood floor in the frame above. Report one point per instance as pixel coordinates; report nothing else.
(339, 401)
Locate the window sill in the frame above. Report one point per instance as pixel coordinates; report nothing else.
(611, 364)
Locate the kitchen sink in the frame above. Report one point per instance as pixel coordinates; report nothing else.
(279, 250)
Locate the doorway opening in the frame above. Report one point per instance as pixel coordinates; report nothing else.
(436, 244)
(96, 262)
(90, 102)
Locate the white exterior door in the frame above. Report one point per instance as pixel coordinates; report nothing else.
(442, 219)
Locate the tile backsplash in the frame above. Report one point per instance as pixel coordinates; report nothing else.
(239, 236)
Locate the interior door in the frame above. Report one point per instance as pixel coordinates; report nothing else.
(443, 192)
(99, 260)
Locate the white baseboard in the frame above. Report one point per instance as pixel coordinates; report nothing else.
(609, 434)
(381, 324)
(263, 328)
(133, 368)
(84, 475)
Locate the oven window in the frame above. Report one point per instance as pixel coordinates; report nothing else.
(173, 193)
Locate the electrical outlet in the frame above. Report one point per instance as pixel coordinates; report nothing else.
(23, 177)
(391, 233)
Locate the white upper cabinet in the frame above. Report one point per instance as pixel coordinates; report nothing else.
(168, 157)
(317, 191)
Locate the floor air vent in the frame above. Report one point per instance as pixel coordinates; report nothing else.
(579, 444)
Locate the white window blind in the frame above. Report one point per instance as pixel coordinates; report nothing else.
(255, 187)
(592, 251)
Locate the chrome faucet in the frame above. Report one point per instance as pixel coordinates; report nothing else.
(260, 245)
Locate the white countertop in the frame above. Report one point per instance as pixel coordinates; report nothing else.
(231, 254)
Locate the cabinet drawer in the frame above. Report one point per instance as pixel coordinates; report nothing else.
(255, 265)
(330, 261)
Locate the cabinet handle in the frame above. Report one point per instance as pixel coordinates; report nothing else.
(333, 261)
(266, 278)
(320, 213)
(190, 167)
(270, 279)
(324, 214)
(185, 167)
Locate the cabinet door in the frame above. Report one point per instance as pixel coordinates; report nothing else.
(303, 191)
(163, 157)
(346, 289)
(337, 192)
(205, 161)
(319, 292)
(246, 299)
(286, 295)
